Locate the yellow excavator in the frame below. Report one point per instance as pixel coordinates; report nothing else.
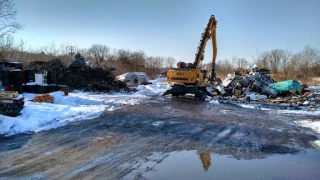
(188, 77)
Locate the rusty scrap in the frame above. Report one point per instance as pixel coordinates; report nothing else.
(43, 98)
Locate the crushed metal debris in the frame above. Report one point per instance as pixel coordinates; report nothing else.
(255, 86)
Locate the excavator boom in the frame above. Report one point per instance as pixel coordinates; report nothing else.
(209, 32)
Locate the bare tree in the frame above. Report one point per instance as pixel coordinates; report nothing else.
(262, 60)
(112, 55)
(99, 52)
(8, 14)
(278, 60)
(123, 56)
(84, 52)
(316, 67)
(274, 59)
(240, 62)
(66, 52)
(285, 65)
(309, 58)
(137, 59)
(19, 51)
(7, 44)
(223, 67)
(158, 62)
(294, 64)
(169, 62)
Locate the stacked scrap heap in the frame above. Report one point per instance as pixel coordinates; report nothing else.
(255, 86)
(80, 77)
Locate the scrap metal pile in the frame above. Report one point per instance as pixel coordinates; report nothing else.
(81, 77)
(243, 81)
(256, 86)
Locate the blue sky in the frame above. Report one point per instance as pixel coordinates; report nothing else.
(173, 27)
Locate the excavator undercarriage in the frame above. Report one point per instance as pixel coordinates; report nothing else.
(200, 93)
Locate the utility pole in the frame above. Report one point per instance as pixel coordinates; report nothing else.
(71, 50)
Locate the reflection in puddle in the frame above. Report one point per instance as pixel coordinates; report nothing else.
(205, 160)
(205, 165)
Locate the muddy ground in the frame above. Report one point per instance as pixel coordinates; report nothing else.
(115, 145)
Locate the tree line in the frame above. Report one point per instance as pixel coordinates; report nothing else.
(283, 64)
(97, 55)
(302, 65)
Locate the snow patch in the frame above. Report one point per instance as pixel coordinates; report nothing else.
(157, 88)
(249, 106)
(157, 123)
(275, 110)
(36, 117)
(314, 125)
(214, 101)
(317, 143)
(301, 112)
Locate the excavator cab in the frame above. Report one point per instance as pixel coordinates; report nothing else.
(184, 65)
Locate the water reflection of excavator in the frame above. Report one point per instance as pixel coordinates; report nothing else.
(188, 77)
(205, 159)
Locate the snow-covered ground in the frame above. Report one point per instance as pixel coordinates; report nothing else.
(303, 110)
(76, 106)
(79, 105)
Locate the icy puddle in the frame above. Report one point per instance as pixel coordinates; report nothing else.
(195, 165)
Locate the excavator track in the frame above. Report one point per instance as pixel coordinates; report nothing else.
(200, 93)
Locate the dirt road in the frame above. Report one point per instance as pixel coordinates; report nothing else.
(114, 145)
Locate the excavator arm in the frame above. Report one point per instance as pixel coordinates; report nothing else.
(209, 33)
(214, 52)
